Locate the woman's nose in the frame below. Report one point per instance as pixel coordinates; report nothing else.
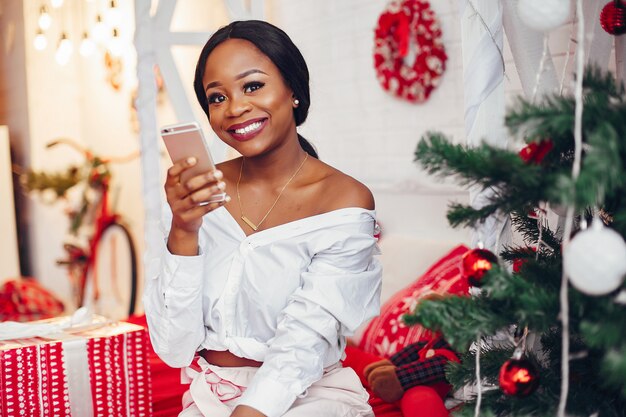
(238, 106)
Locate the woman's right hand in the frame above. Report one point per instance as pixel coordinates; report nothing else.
(188, 202)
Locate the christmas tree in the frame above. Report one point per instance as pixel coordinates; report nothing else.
(514, 316)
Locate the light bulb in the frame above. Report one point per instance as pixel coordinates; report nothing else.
(44, 20)
(113, 14)
(115, 46)
(98, 32)
(40, 41)
(56, 3)
(87, 46)
(64, 50)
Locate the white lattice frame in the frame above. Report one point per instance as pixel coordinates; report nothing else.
(153, 42)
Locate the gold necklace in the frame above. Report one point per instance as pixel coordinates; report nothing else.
(247, 220)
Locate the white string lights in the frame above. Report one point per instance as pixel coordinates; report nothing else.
(100, 22)
(44, 21)
(64, 50)
(40, 42)
(113, 15)
(115, 45)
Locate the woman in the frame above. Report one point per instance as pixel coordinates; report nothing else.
(255, 296)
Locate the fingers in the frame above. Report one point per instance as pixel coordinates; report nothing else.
(199, 195)
(203, 195)
(200, 188)
(197, 211)
(173, 173)
(201, 201)
(203, 180)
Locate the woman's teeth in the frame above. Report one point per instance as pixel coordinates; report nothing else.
(249, 128)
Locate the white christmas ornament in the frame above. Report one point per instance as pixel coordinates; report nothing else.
(543, 15)
(595, 260)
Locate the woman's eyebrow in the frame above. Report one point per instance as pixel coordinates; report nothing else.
(238, 77)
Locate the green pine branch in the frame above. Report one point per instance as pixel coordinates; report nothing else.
(459, 319)
(529, 230)
(59, 182)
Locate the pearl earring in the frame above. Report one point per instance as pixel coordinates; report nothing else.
(296, 102)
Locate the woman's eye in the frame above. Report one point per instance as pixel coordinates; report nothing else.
(216, 98)
(253, 86)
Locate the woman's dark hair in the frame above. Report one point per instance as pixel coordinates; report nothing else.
(278, 47)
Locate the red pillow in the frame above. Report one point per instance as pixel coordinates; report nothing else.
(27, 300)
(387, 333)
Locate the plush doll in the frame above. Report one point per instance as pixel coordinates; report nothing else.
(410, 383)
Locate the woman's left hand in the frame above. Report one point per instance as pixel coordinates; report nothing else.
(245, 411)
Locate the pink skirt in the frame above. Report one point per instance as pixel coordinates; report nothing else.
(214, 392)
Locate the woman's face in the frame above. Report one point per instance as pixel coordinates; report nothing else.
(250, 106)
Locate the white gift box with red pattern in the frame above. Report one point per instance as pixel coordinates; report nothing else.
(99, 372)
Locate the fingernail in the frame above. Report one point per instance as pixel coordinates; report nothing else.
(227, 199)
(191, 160)
(221, 185)
(218, 174)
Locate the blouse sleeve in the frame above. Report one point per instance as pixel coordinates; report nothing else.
(173, 301)
(340, 290)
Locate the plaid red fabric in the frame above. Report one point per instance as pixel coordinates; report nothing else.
(26, 300)
(413, 368)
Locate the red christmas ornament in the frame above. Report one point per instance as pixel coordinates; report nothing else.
(476, 263)
(518, 377)
(534, 152)
(520, 262)
(613, 18)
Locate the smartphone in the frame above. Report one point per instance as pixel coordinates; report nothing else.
(184, 140)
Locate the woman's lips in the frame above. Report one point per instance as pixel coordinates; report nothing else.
(248, 130)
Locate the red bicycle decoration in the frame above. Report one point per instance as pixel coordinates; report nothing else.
(405, 29)
(100, 252)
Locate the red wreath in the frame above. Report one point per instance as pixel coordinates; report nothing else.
(401, 22)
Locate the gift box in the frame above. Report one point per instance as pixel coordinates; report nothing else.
(98, 370)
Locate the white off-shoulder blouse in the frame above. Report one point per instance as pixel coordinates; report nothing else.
(286, 296)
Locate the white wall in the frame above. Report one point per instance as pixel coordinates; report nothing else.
(360, 128)
(363, 130)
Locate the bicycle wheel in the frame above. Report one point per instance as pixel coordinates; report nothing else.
(115, 272)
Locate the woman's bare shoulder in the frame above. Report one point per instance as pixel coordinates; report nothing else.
(338, 190)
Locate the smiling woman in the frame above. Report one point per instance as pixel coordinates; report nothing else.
(257, 306)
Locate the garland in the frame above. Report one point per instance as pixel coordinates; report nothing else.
(409, 26)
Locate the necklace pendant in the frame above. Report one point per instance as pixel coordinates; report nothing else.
(249, 223)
